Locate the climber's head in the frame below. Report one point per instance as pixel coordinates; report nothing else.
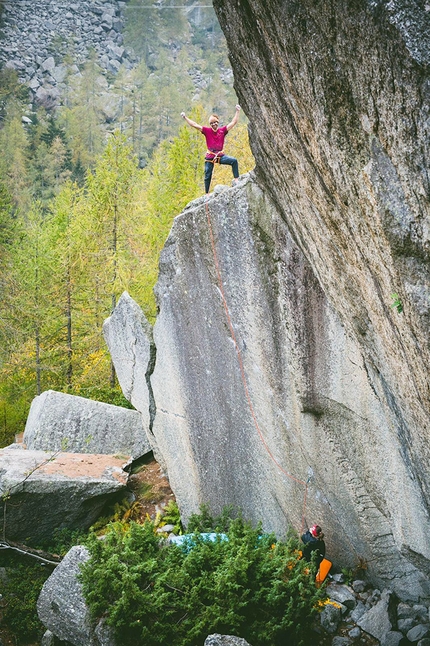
(214, 121)
(316, 531)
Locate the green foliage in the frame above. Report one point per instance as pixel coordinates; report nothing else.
(171, 516)
(205, 522)
(250, 585)
(348, 575)
(106, 394)
(397, 303)
(63, 540)
(20, 592)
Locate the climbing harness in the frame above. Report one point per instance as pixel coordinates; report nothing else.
(217, 156)
(242, 369)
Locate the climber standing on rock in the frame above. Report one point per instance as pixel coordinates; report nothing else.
(215, 143)
(313, 541)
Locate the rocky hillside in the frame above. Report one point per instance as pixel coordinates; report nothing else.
(36, 37)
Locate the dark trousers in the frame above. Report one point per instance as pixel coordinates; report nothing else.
(225, 159)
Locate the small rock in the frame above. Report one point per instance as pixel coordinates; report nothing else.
(225, 640)
(341, 641)
(48, 64)
(406, 624)
(392, 638)
(342, 594)
(48, 639)
(338, 578)
(354, 633)
(165, 529)
(424, 642)
(404, 611)
(331, 617)
(358, 586)
(421, 613)
(417, 632)
(358, 611)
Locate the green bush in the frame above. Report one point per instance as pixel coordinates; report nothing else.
(21, 592)
(251, 585)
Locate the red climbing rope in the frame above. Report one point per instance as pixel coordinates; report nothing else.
(242, 369)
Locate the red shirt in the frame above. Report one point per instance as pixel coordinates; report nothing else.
(215, 140)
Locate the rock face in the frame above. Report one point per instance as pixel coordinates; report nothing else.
(338, 101)
(225, 640)
(47, 491)
(58, 421)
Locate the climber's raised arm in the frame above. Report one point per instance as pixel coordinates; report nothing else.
(190, 122)
(234, 120)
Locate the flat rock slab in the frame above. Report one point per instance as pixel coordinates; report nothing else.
(58, 421)
(48, 491)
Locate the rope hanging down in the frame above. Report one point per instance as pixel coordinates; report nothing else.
(242, 369)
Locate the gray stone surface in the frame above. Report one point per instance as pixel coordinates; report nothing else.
(61, 606)
(252, 429)
(58, 421)
(62, 609)
(418, 632)
(338, 107)
(392, 638)
(341, 641)
(46, 491)
(380, 619)
(48, 639)
(128, 335)
(330, 618)
(225, 640)
(342, 594)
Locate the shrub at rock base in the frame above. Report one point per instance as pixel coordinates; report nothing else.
(250, 585)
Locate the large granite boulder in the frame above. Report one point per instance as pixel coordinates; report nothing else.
(58, 421)
(128, 335)
(41, 492)
(264, 399)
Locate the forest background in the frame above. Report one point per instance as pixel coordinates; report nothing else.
(86, 206)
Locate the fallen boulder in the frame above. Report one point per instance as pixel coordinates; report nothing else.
(58, 421)
(41, 492)
(129, 338)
